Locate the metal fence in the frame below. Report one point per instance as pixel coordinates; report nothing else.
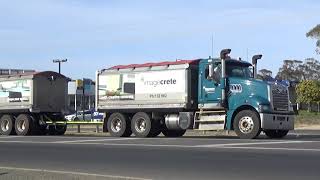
(79, 124)
(83, 123)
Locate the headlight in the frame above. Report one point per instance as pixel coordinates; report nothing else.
(290, 107)
(263, 108)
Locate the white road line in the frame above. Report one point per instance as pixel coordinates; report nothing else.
(266, 148)
(63, 142)
(194, 146)
(139, 145)
(95, 140)
(213, 146)
(72, 173)
(105, 144)
(26, 142)
(204, 138)
(219, 146)
(255, 143)
(8, 137)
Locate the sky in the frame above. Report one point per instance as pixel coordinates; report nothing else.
(96, 34)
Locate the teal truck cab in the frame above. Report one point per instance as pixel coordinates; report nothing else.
(251, 105)
(203, 94)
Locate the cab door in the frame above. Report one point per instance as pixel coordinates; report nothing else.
(209, 87)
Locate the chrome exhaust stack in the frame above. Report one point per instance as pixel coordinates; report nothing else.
(224, 55)
(255, 59)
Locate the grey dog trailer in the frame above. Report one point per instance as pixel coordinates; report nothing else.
(30, 103)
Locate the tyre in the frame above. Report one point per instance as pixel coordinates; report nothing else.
(61, 129)
(57, 130)
(51, 130)
(173, 133)
(143, 126)
(247, 124)
(42, 130)
(105, 123)
(24, 125)
(38, 129)
(276, 134)
(118, 125)
(157, 129)
(7, 125)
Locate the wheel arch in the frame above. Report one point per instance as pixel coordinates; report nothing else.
(239, 109)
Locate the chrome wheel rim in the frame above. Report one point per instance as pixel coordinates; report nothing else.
(246, 124)
(21, 126)
(141, 125)
(116, 125)
(5, 125)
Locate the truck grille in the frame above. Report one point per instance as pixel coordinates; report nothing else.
(280, 98)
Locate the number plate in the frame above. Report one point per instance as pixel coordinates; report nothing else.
(281, 118)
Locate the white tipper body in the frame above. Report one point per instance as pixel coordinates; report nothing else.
(154, 87)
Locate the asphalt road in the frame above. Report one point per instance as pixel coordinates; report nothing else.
(295, 157)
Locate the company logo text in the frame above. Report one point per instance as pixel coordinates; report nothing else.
(160, 82)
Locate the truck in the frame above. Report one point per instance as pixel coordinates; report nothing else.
(203, 94)
(33, 103)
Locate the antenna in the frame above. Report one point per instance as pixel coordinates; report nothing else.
(212, 45)
(247, 54)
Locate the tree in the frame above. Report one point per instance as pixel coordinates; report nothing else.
(265, 74)
(315, 34)
(312, 69)
(291, 70)
(295, 70)
(308, 91)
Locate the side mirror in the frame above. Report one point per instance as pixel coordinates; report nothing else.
(211, 71)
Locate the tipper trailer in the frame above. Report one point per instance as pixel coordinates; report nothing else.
(203, 94)
(33, 103)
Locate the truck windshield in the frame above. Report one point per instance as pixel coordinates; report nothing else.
(236, 70)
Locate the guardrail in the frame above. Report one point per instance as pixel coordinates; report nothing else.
(79, 124)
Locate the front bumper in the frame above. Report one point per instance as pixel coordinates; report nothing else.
(277, 121)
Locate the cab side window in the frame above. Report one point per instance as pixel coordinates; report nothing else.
(206, 72)
(216, 70)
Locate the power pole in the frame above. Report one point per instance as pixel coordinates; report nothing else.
(59, 61)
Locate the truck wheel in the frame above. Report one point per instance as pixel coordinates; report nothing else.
(157, 129)
(57, 130)
(118, 125)
(143, 126)
(105, 123)
(276, 134)
(7, 125)
(61, 130)
(173, 133)
(39, 129)
(51, 130)
(42, 130)
(247, 124)
(76, 119)
(23, 125)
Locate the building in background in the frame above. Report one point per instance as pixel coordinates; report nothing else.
(15, 71)
(81, 95)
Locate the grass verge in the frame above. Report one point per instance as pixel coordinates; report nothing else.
(307, 119)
